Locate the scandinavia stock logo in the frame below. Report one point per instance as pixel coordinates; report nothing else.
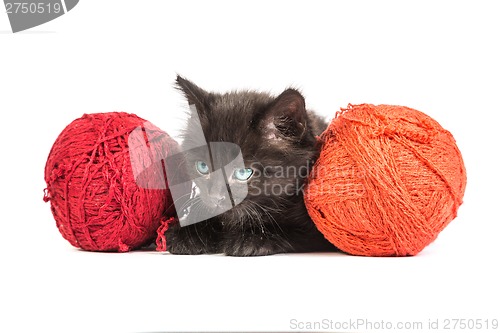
(224, 158)
(28, 14)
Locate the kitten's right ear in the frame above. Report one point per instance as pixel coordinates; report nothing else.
(194, 94)
(286, 117)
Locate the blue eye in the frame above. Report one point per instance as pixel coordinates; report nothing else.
(243, 174)
(202, 167)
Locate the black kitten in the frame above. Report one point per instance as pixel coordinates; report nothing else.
(256, 208)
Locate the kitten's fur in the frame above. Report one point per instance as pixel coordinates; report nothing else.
(274, 133)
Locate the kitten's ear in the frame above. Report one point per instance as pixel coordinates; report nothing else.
(194, 94)
(286, 116)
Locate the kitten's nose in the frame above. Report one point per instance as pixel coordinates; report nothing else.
(219, 200)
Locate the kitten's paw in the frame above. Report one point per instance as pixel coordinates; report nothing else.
(187, 249)
(255, 246)
(194, 239)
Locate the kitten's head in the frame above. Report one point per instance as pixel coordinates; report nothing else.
(276, 137)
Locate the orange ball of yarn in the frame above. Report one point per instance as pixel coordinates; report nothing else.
(388, 180)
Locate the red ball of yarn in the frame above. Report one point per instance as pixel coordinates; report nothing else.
(387, 182)
(99, 204)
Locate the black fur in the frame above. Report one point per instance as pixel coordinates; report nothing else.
(277, 137)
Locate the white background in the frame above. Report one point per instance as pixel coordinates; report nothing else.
(439, 57)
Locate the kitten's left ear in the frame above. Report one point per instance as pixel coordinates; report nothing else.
(194, 94)
(287, 116)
